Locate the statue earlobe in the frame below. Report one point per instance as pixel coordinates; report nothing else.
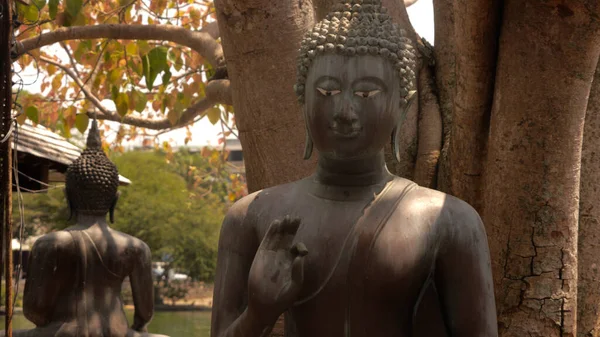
(308, 146)
(410, 98)
(69, 205)
(111, 211)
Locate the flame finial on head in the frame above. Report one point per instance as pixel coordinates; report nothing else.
(93, 139)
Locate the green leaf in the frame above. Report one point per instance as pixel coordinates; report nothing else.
(82, 47)
(74, 7)
(39, 4)
(214, 115)
(143, 47)
(30, 13)
(53, 8)
(166, 77)
(140, 101)
(115, 75)
(114, 93)
(81, 122)
(33, 114)
(158, 59)
(122, 104)
(149, 75)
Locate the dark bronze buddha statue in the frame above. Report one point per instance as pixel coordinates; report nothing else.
(75, 275)
(350, 250)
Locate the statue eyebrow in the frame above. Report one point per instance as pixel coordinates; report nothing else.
(326, 78)
(372, 79)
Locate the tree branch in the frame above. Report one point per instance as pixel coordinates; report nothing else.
(199, 41)
(91, 97)
(217, 92)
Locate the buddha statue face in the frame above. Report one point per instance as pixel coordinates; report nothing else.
(352, 104)
(355, 80)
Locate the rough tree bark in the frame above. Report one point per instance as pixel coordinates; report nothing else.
(260, 40)
(547, 56)
(588, 282)
(467, 60)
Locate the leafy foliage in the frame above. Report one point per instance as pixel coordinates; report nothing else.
(122, 71)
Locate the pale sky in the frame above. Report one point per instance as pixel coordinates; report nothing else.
(203, 132)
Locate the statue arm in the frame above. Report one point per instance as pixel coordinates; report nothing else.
(463, 274)
(142, 289)
(42, 287)
(237, 247)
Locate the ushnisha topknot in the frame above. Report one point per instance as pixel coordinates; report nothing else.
(92, 180)
(358, 27)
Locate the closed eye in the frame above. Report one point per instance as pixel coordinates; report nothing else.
(367, 94)
(328, 92)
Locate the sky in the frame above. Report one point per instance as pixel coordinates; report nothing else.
(203, 132)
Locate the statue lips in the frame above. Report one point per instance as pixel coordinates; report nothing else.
(346, 131)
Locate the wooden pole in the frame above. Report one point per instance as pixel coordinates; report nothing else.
(6, 123)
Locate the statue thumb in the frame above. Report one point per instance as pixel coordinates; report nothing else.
(300, 252)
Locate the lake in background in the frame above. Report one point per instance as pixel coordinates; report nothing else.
(170, 323)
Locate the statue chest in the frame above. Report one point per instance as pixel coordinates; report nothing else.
(394, 266)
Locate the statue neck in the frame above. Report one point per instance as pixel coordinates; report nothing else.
(90, 219)
(352, 172)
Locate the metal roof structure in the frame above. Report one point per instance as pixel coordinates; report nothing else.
(41, 142)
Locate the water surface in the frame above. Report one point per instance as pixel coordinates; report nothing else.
(173, 324)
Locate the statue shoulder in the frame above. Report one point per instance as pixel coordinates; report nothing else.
(259, 199)
(59, 242)
(444, 208)
(239, 209)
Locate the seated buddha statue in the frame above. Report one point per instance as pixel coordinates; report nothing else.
(75, 275)
(351, 249)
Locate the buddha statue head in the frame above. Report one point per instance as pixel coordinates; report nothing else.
(356, 79)
(92, 180)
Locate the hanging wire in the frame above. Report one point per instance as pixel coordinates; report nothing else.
(18, 82)
(21, 214)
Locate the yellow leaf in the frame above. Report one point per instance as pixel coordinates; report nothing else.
(70, 111)
(21, 119)
(214, 115)
(173, 116)
(132, 48)
(51, 69)
(57, 81)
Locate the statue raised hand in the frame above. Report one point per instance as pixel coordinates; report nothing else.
(277, 273)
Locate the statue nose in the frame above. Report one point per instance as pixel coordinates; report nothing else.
(346, 115)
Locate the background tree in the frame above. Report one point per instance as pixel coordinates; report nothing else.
(150, 58)
(506, 117)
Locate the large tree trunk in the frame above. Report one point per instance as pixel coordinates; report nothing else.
(260, 41)
(588, 283)
(547, 57)
(474, 45)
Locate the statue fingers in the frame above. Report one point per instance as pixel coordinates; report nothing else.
(290, 225)
(272, 236)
